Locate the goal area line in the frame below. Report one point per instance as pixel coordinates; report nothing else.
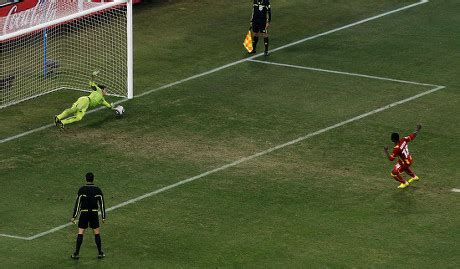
(344, 73)
(14, 137)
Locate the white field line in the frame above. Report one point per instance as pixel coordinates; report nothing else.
(455, 190)
(344, 73)
(242, 160)
(350, 25)
(231, 64)
(15, 236)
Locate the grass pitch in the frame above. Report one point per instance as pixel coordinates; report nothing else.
(327, 201)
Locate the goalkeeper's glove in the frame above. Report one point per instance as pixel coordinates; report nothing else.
(112, 106)
(73, 220)
(103, 220)
(95, 73)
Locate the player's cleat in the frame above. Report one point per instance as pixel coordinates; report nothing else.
(75, 256)
(413, 179)
(101, 255)
(265, 53)
(403, 185)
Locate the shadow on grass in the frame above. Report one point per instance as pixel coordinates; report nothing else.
(404, 200)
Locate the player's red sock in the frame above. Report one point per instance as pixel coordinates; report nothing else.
(399, 178)
(410, 172)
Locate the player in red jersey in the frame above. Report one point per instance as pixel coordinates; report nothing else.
(401, 151)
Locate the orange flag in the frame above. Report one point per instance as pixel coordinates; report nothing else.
(248, 42)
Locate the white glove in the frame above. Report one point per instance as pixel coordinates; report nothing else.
(95, 73)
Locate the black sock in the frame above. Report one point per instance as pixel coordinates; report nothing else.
(266, 43)
(97, 238)
(79, 242)
(254, 42)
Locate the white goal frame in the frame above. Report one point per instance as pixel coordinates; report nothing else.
(62, 20)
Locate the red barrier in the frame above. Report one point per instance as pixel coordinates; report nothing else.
(134, 1)
(17, 7)
(28, 4)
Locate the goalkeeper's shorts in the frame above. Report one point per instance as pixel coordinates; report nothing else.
(81, 104)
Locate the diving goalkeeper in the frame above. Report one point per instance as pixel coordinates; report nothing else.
(79, 108)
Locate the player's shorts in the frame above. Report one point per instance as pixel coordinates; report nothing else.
(90, 219)
(259, 27)
(400, 167)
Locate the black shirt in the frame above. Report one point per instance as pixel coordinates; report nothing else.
(89, 199)
(261, 8)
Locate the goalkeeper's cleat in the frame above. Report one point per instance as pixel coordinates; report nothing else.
(413, 179)
(101, 255)
(403, 185)
(58, 123)
(61, 125)
(56, 120)
(75, 256)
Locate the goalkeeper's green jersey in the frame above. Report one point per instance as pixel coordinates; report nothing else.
(96, 97)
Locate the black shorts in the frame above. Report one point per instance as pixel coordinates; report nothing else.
(259, 26)
(90, 218)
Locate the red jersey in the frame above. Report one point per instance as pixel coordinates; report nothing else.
(402, 150)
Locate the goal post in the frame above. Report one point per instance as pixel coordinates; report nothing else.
(58, 44)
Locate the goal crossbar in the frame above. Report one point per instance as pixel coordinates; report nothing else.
(70, 17)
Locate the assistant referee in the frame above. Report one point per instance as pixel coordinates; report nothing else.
(260, 21)
(89, 200)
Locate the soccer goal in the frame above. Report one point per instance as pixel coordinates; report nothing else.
(56, 45)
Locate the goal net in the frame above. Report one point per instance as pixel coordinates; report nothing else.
(58, 44)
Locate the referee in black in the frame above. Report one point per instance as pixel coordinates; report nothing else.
(260, 21)
(89, 200)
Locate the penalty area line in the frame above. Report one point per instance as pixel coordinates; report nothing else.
(245, 159)
(4, 140)
(455, 190)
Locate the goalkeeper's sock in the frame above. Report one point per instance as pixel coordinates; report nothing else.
(254, 42)
(266, 44)
(79, 242)
(97, 238)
